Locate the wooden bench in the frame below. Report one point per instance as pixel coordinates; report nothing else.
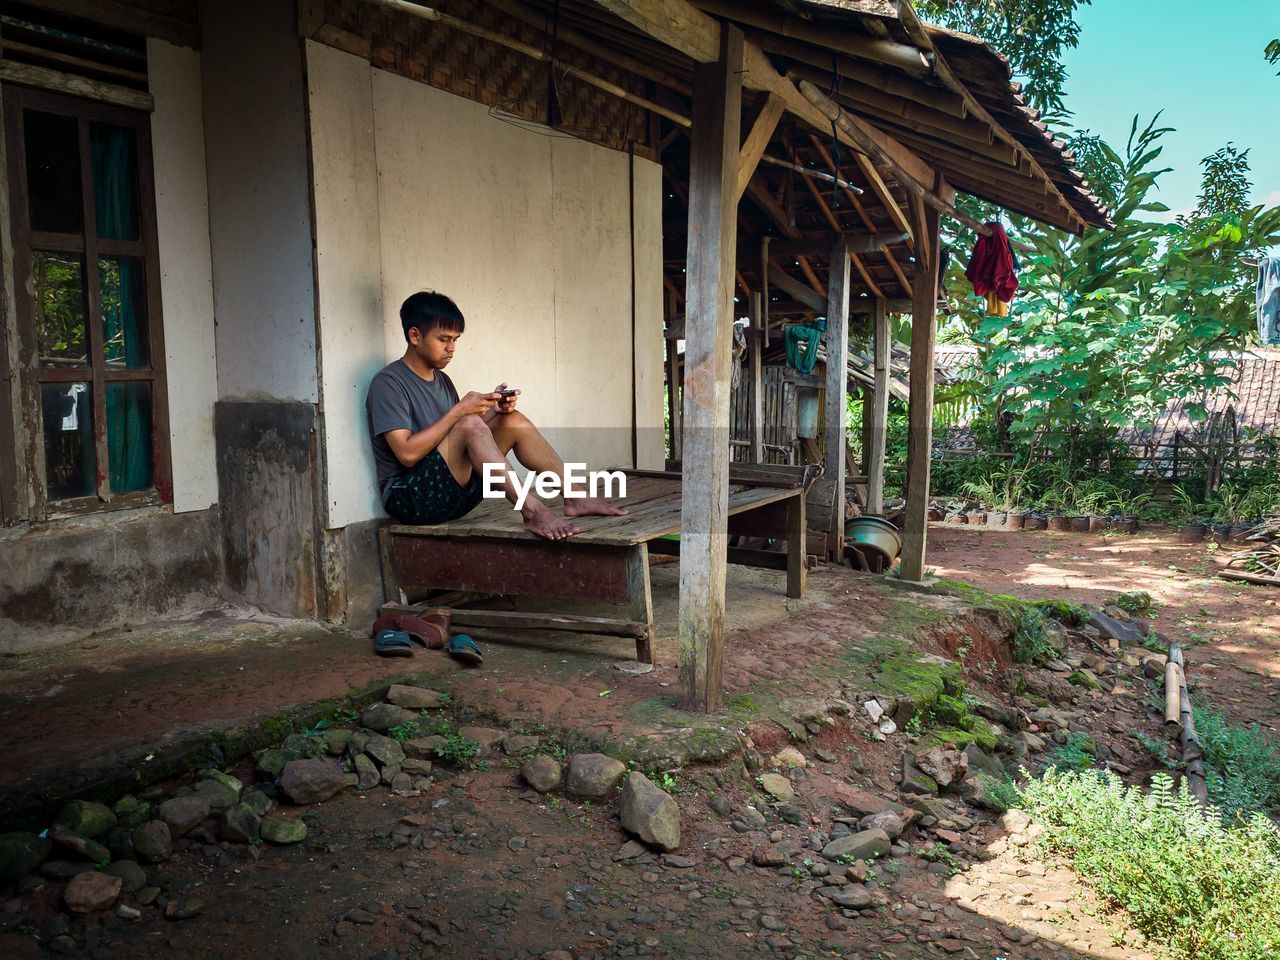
(489, 552)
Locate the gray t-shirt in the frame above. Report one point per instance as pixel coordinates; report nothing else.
(400, 399)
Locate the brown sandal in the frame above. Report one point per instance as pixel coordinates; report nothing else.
(431, 630)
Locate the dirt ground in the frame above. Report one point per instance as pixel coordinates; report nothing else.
(1231, 631)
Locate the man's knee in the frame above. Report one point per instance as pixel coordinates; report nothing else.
(515, 420)
(471, 422)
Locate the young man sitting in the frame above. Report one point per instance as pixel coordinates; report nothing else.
(431, 447)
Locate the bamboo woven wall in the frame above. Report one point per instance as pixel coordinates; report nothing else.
(488, 72)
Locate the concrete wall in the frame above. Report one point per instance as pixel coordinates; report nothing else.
(186, 271)
(531, 235)
(259, 200)
(67, 580)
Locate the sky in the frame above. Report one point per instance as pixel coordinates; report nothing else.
(1202, 64)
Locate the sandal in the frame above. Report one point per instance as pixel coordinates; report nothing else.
(431, 631)
(392, 643)
(463, 649)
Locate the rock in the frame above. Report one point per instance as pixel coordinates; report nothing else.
(874, 710)
(119, 841)
(516, 745)
(367, 771)
(861, 802)
(720, 805)
(147, 895)
(126, 912)
(914, 780)
(241, 825)
(486, 738)
(788, 757)
(91, 850)
(944, 764)
(979, 759)
(885, 820)
(649, 813)
(1112, 628)
(311, 781)
(216, 794)
(228, 781)
(422, 748)
(256, 801)
(271, 763)
(282, 832)
(1085, 678)
(298, 746)
(21, 853)
(752, 818)
(153, 841)
(629, 851)
(63, 870)
(337, 741)
(415, 698)
(777, 786)
(91, 891)
(594, 775)
(1015, 821)
(183, 814)
(417, 767)
(132, 876)
(542, 773)
(388, 752)
(184, 909)
(864, 845)
(853, 897)
(86, 818)
(381, 717)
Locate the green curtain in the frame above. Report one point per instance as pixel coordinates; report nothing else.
(129, 443)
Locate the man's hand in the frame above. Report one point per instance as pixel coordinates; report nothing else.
(476, 404)
(506, 404)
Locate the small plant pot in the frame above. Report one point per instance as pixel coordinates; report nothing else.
(937, 513)
(1125, 524)
(1080, 524)
(1221, 531)
(976, 517)
(997, 518)
(1036, 521)
(1060, 524)
(1193, 533)
(1240, 530)
(959, 519)
(1098, 524)
(1016, 521)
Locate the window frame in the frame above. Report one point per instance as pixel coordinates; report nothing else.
(30, 374)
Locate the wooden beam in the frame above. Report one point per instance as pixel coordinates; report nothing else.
(713, 167)
(887, 199)
(11, 71)
(761, 133)
(837, 343)
(756, 349)
(857, 242)
(924, 305)
(878, 414)
(759, 193)
(799, 291)
(126, 16)
(678, 24)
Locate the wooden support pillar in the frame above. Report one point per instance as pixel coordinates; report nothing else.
(674, 411)
(924, 306)
(755, 345)
(878, 410)
(709, 279)
(837, 343)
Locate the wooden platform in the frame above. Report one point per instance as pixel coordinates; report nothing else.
(489, 552)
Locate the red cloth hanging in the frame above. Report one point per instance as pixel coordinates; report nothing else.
(991, 268)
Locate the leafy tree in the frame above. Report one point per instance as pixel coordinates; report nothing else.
(1273, 53)
(1224, 185)
(1033, 34)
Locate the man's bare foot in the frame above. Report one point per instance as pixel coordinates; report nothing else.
(539, 519)
(591, 507)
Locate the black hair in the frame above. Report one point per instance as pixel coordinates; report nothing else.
(427, 310)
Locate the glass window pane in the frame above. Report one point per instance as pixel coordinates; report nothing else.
(57, 281)
(53, 172)
(124, 311)
(129, 436)
(115, 180)
(69, 457)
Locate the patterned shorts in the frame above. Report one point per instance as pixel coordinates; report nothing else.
(427, 493)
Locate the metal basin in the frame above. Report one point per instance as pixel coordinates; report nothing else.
(875, 533)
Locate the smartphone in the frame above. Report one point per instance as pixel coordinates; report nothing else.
(506, 393)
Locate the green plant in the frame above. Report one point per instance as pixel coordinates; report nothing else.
(915, 726)
(402, 732)
(1076, 754)
(1242, 766)
(1136, 603)
(458, 750)
(1158, 750)
(1029, 643)
(1064, 611)
(939, 853)
(1205, 889)
(1002, 794)
(1127, 503)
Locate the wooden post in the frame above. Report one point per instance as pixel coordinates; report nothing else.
(674, 412)
(797, 547)
(709, 279)
(837, 342)
(756, 347)
(924, 306)
(879, 412)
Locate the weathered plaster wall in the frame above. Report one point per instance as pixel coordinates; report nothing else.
(67, 580)
(266, 475)
(259, 200)
(186, 270)
(530, 234)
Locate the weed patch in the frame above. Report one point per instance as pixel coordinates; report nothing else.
(1241, 766)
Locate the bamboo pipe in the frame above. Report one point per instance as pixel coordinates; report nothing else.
(1192, 753)
(435, 16)
(808, 172)
(1172, 694)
